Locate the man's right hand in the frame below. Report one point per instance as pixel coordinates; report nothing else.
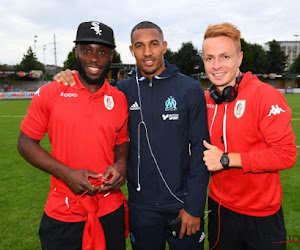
(66, 77)
(78, 181)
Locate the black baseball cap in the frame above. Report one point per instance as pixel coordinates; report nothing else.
(95, 32)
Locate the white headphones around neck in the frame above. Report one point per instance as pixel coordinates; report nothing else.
(143, 123)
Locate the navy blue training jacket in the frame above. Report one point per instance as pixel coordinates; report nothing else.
(174, 112)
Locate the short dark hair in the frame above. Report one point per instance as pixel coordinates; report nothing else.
(146, 25)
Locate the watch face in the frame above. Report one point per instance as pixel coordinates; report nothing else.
(224, 160)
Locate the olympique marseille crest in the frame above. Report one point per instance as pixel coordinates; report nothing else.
(109, 102)
(239, 108)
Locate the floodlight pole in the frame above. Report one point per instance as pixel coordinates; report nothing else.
(44, 48)
(34, 41)
(44, 75)
(296, 44)
(55, 53)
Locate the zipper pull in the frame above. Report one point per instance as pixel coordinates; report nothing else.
(150, 84)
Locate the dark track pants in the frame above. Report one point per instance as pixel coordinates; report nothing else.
(149, 231)
(238, 231)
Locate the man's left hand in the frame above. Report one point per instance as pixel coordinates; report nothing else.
(189, 225)
(116, 173)
(212, 157)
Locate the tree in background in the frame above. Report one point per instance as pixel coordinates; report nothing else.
(188, 59)
(276, 59)
(170, 56)
(117, 57)
(114, 71)
(30, 62)
(259, 59)
(7, 67)
(254, 58)
(247, 63)
(295, 66)
(70, 63)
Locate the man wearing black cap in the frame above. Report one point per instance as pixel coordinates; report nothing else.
(87, 128)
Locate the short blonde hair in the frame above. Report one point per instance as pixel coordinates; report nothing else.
(224, 29)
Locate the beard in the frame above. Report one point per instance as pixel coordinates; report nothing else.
(148, 72)
(92, 81)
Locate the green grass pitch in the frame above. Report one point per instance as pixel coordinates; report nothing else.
(24, 189)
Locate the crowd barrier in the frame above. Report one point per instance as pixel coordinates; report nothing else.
(29, 94)
(16, 95)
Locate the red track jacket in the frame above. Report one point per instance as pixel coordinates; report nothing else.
(257, 125)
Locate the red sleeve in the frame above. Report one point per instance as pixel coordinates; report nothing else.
(123, 132)
(274, 116)
(36, 120)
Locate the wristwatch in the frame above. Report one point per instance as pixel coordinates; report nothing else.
(225, 161)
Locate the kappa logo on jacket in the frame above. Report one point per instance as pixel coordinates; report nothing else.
(68, 94)
(134, 106)
(275, 110)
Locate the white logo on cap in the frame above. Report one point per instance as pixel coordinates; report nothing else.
(96, 28)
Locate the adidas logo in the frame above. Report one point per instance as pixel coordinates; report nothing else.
(202, 237)
(134, 106)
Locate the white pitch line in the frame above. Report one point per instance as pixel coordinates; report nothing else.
(12, 116)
